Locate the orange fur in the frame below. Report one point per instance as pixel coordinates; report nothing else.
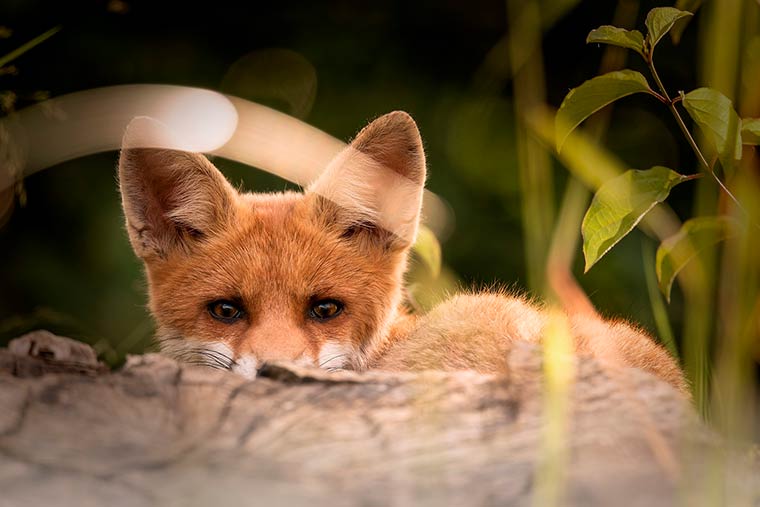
(347, 239)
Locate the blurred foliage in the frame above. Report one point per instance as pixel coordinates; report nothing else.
(65, 262)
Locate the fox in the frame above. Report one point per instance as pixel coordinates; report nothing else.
(238, 279)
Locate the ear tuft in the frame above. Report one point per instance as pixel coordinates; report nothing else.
(171, 199)
(394, 140)
(378, 180)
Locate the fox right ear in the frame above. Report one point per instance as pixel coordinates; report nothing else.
(171, 199)
(377, 181)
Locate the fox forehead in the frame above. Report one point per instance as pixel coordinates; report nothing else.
(274, 249)
(273, 207)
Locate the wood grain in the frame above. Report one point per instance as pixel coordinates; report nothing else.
(160, 433)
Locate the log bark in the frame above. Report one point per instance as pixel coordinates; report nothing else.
(160, 433)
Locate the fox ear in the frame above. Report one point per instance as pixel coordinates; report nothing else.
(171, 199)
(376, 183)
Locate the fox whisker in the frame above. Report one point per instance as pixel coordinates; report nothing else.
(186, 353)
(201, 361)
(207, 364)
(331, 358)
(219, 359)
(218, 356)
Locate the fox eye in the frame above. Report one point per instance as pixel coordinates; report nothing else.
(325, 309)
(225, 311)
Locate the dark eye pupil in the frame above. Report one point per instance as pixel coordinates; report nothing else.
(326, 309)
(224, 310)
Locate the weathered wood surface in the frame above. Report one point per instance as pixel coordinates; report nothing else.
(159, 433)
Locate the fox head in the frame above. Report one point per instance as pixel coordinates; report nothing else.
(237, 279)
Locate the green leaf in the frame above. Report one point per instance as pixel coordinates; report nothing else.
(751, 131)
(428, 249)
(594, 94)
(715, 115)
(694, 237)
(620, 204)
(678, 28)
(659, 22)
(631, 39)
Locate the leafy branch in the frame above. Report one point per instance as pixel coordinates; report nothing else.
(621, 203)
(668, 16)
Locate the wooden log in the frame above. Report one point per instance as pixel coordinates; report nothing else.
(160, 433)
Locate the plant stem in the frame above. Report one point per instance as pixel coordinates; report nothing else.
(702, 160)
(4, 60)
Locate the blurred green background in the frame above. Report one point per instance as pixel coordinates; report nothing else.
(65, 262)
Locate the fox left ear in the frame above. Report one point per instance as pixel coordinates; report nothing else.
(172, 199)
(376, 182)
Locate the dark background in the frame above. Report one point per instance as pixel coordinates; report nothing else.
(65, 262)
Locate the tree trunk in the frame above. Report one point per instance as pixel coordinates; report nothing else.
(160, 433)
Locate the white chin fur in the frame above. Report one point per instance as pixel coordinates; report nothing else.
(334, 355)
(246, 366)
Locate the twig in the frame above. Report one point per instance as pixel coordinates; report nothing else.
(672, 106)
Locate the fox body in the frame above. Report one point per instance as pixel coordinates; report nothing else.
(237, 279)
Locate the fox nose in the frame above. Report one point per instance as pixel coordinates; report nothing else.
(275, 341)
(248, 365)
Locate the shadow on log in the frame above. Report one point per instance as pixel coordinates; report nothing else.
(160, 433)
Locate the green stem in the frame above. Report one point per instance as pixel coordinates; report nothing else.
(4, 60)
(702, 160)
